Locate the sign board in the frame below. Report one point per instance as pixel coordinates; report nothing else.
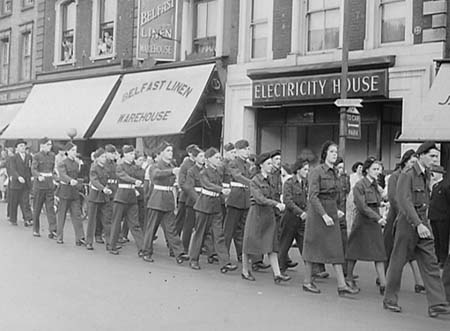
(353, 124)
(157, 30)
(348, 103)
(371, 83)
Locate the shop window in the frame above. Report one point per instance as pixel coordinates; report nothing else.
(205, 27)
(4, 56)
(6, 7)
(25, 53)
(103, 28)
(323, 19)
(27, 3)
(259, 28)
(65, 29)
(392, 15)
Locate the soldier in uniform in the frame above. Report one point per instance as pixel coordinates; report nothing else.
(19, 171)
(413, 232)
(162, 206)
(98, 198)
(125, 202)
(209, 213)
(42, 170)
(69, 197)
(110, 166)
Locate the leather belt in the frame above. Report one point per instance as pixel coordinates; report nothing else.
(236, 184)
(128, 186)
(210, 193)
(198, 189)
(163, 188)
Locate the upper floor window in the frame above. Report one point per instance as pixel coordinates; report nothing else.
(27, 3)
(259, 28)
(6, 7)
(65, 28)
(393, 17)
(4, 56)
(103, 28)
(25, 52)
(205, 26)
(323, 19)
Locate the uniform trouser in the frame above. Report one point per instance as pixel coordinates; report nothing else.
(388, 237)
(293, 228)
(203, 224)
(406, 239)
(98, 228)
(130, 213)
(344, 236)
(19, 198)
(98, 212)
(441, 232)
(446, 278)
(167, 218)
(233, 228)
(42, 197)
(141, 218)
(188, 226)
(181, 216)
(75, 214)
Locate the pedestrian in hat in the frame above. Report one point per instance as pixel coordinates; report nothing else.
(19, 171)
(42, 169)
(261, 227)
(69, 197)
(413, 232)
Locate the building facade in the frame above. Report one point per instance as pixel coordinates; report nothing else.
(281, 91)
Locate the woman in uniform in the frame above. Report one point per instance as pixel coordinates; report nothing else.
(365, 242)
(261, 228)
(323, 240)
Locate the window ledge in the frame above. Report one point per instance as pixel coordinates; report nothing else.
(64, 63)
(5, 15)
(25, 8)
(324, 51)
(110, 57)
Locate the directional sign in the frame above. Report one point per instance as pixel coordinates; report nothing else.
(348, 103)
(353, 124)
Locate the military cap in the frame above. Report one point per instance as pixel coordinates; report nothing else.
(99, 152)
(190, 148)
(127, 149)
(241, 144)
(228, 147)
(425, 147)
(210, 152)
(299, 163)
(110, 148)
(20, 141)
(263, 157)
(163, 145)
(69, 146)
(275, 153)
(44, 140)
(195, 151)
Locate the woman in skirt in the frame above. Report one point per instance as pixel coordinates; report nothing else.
(323, 240)
(261, 228)
(365, 242)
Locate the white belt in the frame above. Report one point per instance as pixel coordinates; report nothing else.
(198, 189)
(46, 174)
(236, 184)
(210, 193)
(112, 181)
(225, 185)
(129, 186)
(93, 187)
(163, 188)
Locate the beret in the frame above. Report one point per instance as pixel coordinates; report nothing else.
(20, 141)
(99, 152)
(210, 152)
(425, 147)
(44, 140)
(191, 147)
(69, 146)
(300, 163)
(437, 168)
(127, 149)
(110, 148)
(228, 147)
(241, 144)
(162, 146)
(275, 153)
(263, 157)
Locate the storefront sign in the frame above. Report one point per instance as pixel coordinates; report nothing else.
(364, 84)
(353, 123)
(157, 29)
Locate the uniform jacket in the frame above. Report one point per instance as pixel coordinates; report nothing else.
(140, 174)
(185, 166)
(323, 184)
(262, 191)
(126, 174)
(43, 163)
(275, 180)
(440, 202)
(192, 181)
(226, 175)
(413, 196)
(344, 190)
(162, 174)
(211, 180)
(240, 172)
(68, 169)
(18, 167)
(98, 179)
(367, 199)
(295, 196)
(392, 195)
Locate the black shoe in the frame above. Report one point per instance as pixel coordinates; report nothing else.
(60, 241)
(228, 267)
(148, 258)
(89, 247)
(352, 284)
(321, 274)
(194, 265)
(260, 265)
(239, 258)
(281, 278)
(52, 235)
(182, 257)
(419, 288)
(392, 307)
(171, 253)
(213, 259)
(81, 242)
(36, 234)
(291, 264)
(141, 253)
(311, 287)
(248, 277)
(342, 291)
(99, 240)
(435, 311)
(114, 251)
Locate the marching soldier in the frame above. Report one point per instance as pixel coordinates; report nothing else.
(228, 155)
(98, 198)
(69, 197)
(125, 201)
(19, 171)
(162, 206)
(413, 232)
(44, 188)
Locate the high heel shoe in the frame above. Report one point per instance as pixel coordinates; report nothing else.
(281, 278)
(342, 291)
(248, 277)
(419, 288)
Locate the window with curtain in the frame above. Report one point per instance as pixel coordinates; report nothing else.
(68, 23)
(259, 28)
(205, 27)
(107, 15)
(323, 19)
(25, 54)
(6, 7)
(393, 17)
(4, 57)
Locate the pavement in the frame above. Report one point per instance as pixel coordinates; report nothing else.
(46, 287)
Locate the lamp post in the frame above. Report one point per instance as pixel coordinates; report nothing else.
(344, 75)
(71, 133)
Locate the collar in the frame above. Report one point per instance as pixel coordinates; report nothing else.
(421, 167)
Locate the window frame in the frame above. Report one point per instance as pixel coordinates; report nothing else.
(2, 9)
(207, 38)
(252, 24)
(96, 25)
(26, 28)
(57, 61)
(3, 35)
(27, 6)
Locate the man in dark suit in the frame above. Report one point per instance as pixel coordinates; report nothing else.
(19, 171)
(413, 232)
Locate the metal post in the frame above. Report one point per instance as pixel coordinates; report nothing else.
(344, 75)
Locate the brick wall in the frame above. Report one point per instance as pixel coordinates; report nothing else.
(282, 26)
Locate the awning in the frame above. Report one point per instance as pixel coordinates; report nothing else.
(52, 109)
(7, 114)
(433, 119)
(154, 103)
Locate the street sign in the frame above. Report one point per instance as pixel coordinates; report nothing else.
(348, 103)
(353, 124)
